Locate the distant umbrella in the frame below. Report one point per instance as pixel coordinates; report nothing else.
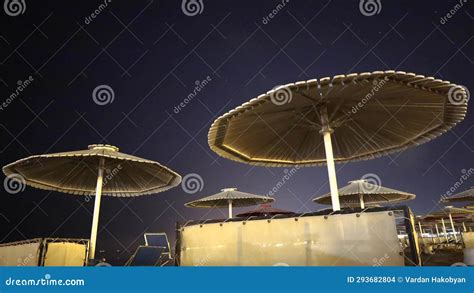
(465, 196)
(264, 210)
(228, 198)
(458, 213)
(344, 118)
(453, 213)
(469, 206)
(362, 192)
(82, 173)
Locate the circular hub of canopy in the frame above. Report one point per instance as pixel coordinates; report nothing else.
(369, 115)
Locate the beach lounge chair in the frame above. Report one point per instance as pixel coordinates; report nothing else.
(159, 240)
(146, 256)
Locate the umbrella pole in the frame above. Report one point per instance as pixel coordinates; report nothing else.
(95, 219)
(361, 199)
(437, 232)
(230, 209)
(452, 227)
(326, 131)
(444, 230)
(421, 230)
(464, 227)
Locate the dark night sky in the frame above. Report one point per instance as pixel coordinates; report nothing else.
(151, 54)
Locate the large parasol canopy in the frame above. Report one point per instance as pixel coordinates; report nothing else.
(362, 192)
(264, 210)
(339, 119)
(465, 196)
(99, 170)
(228, 198)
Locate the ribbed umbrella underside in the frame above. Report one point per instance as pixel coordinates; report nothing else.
(466, 195)
(76, 173)
(372, 114)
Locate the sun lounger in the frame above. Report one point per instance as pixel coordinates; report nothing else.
(159, 240)
(146, 256)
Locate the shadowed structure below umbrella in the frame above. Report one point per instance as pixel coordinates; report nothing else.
(453, 214)
(82, 173)
(263, 211)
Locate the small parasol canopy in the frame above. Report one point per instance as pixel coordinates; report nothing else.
(465, 196)
(454, 214)
(338, 119)
(264, 210)
(229, 197)
(99, 170)
(362, 192)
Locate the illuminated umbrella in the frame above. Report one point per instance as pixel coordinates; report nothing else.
(82, 173)
(339, 119)
(228, 198)
(466, 195)
(264, 210)
(453, 214)
(362, 192)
